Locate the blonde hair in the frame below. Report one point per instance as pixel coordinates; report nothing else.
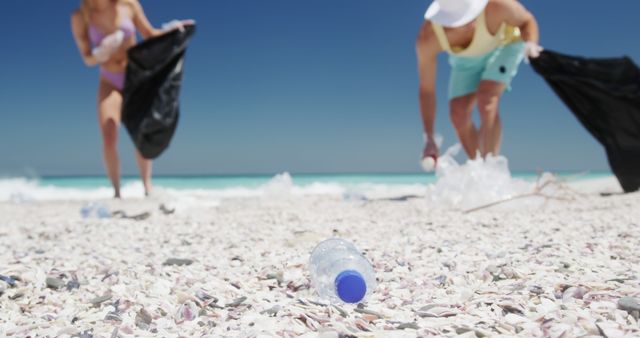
(85, 8)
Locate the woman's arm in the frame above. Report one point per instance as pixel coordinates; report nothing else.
(140, 20)
(81, 36)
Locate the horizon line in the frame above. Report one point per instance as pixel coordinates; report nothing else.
(227, 175)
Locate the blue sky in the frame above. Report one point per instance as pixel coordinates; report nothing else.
(304, 86)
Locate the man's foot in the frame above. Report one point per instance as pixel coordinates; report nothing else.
(430, 156)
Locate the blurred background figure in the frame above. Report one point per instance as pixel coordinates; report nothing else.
(486, 41)
(104, 30)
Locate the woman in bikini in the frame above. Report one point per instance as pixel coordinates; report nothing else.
(104, 30)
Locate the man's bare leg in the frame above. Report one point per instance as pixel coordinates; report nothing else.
(490, 138)
(461, 109)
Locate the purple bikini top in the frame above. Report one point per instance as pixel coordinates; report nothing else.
(126, 26)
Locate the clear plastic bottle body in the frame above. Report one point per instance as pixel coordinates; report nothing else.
(95, 210)
(330, 260)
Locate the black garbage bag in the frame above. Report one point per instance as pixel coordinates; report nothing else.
(604, 94)
(150, 107)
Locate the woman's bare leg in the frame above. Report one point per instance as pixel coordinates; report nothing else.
(144, 165)
(109, 111)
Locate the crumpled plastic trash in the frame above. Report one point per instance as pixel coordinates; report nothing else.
(475, 183)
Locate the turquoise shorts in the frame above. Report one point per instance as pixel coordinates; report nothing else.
(501, 65)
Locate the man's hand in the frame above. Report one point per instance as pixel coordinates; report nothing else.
(532, 50)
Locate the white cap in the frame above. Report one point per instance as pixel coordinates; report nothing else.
(454, 13)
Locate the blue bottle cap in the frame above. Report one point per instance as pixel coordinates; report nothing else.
(350, 286)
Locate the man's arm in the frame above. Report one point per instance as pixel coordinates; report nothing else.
(427, 49)
(515, 14)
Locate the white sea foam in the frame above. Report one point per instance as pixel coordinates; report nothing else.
(22, 190)
(460, 186)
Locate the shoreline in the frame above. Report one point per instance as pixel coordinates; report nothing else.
(533, 270)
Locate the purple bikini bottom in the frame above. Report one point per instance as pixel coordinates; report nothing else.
(115, 79)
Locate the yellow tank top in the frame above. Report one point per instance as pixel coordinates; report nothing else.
(483, 42)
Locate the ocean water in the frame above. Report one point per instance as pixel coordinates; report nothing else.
(246, 181)
(228, 186)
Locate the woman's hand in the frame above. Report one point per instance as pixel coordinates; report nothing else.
(109, 45)
(176, 24)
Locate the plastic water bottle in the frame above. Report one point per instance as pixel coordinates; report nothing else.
(102, 211)
(352, 196)
(95, 210)
(339, 273)
(429, 164)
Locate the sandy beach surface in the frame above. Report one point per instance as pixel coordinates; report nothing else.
(564, 268)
